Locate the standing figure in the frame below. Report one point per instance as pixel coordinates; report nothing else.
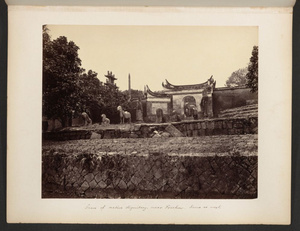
(159, 116)
(124, 115)
(105, 120)
(86, 118)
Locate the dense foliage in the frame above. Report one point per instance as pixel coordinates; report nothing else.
(237, 78)
(68, 90)
(252, 75)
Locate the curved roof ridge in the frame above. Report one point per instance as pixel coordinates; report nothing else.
(155, 94)
(170, 86)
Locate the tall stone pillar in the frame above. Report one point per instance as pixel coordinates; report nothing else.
(206, 103)
(211, 83)
(139, 112)
(209, 109)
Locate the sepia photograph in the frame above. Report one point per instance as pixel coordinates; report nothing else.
(149, 112)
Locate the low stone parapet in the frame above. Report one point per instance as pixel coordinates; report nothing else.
(190, 128)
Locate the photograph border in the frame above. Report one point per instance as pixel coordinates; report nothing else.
(213, 50)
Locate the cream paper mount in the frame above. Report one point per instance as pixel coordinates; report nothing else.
(24, 201)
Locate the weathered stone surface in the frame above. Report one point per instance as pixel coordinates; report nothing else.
(102, 184)
(228, 124)
(219, 131)
(198, 126)
(195, 133)
(209, 132)
(173, 131)
(135, 180)
(122, 185)
(191, 127)
(157, 173)
(156, 135)
(137, 127)
(84, 186)
(218, 124)
(197, 167)
(145, 130)
(238, 124)
(95, 136)
(93, 184)
(210, 124)
(231, 131)
(125, 134)
(133, 135)
(89, 177)
(98, 177)
(108, 135)
(190, 133)
(201, 132)
(165, 134)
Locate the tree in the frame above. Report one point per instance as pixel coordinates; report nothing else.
(135, 94)
(252, 75)
(237, 78)
(91, 96)
(91, 89)
(68, 90)
(112, 97)
(61, 71)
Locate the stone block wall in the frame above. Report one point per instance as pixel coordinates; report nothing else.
(152, 175)
(220, 126)
(225, 126)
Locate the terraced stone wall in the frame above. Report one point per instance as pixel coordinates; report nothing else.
(152, 175)
(221, 126)
(193, 128)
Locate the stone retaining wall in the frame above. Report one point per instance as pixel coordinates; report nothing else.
(153, 175)
(220, 126)
(228, 126)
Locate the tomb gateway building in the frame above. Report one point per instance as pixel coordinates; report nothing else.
(188, 101)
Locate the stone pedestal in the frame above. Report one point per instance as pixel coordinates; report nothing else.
(210, 107)
(139, 116)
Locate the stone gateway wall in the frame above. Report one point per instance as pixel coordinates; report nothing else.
(152, 173)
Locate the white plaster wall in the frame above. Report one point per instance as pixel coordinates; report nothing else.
(163, 106)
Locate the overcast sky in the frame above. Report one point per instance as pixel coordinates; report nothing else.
(151, 54)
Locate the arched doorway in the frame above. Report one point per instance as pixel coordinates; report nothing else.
(189, 106)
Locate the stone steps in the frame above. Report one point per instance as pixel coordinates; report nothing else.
(244, 111)
(252, 106)
(252, 113)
